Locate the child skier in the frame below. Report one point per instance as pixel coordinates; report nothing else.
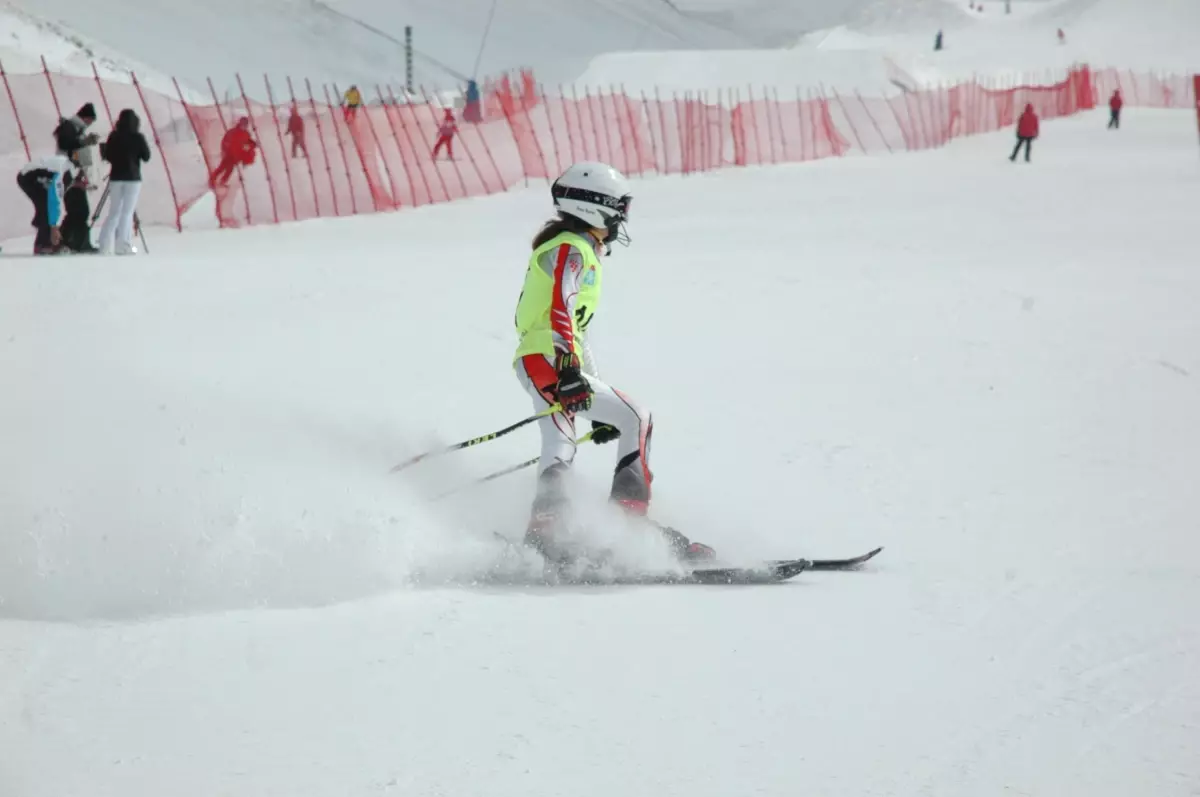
(44, 181)
(554, 362)
(446, 131)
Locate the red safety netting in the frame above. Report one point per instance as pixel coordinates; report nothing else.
(314, 158)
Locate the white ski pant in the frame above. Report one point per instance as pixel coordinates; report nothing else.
(122, 204)
(632, 476)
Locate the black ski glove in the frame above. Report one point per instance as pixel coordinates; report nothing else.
(604, 433)
(574, 392)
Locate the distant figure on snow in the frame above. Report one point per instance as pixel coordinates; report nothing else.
(237, 149)
(937, 41)
(1007, 6)
(295, 129)
(446, 132)
(1062, 36)
(1115, 103)
(1027, 131)
(352, 101)
(126, 149)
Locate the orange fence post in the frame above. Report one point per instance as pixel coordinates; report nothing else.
(650, 126)
(352, 119)
(16, 115)
(53, 93)
(312, 102)
(287, 165)
(487, 150)
(312, 177)
(874, 122)
(436, 122)
(103, 95)
(412, 148)
(633, 131)
(846, 113)
(241, 177)
(608, 141)
(390, 112)
(562, 97)
(558, 168)
(337, 134)
(161, 152)
(681, 130)
(1196, 98)
(258, 138)
(187, 109)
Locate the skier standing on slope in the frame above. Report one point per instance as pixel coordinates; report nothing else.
(554, 362)
(446, 131)
(1115, 104)
(237, 149)
(1027, 131)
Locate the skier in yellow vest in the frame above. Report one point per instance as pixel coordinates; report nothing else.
(351, 102)
(555, 363)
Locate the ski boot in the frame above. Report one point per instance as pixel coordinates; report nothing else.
(549, 529)
(684, 549)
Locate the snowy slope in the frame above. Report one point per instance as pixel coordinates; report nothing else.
(989, 368)
(691, 44)
(356, 40)
(868, 46)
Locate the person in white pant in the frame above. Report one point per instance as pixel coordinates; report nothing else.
(554, 362)
(126, 149)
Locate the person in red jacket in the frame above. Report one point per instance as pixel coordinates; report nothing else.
(237, 149)
(446, 132)
(295, 129)
(1027, 131)
(1115, 103)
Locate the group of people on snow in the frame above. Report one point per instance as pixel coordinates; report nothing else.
(1029, 126)
(58, 185)
(238, 147)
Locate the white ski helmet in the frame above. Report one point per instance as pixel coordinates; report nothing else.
(596, 194)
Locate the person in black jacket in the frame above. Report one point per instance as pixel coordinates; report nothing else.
(126, 149)
(72, 140)
(71, 135)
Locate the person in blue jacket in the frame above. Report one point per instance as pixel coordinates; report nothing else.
(44, 180)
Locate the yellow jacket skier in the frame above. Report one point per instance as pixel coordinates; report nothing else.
(555, 363)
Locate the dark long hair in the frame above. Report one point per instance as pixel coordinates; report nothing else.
(558, 226)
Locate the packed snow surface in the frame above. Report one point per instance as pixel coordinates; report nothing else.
(990, 368)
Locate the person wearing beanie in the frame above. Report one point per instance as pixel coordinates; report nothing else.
(74, 142)
(71, 136)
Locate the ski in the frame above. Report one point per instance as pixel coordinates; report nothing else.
(852, 563)
(772, 573)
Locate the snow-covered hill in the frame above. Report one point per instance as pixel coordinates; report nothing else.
(207, 572)
(989, 368)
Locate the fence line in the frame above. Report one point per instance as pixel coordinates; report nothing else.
(379, 157)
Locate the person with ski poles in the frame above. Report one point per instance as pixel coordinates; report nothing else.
(555, 364)
(446, 131)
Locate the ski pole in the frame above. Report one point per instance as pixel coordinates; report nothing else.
(477, 440)
(510, 469)
(137, 223)
(100, 204)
